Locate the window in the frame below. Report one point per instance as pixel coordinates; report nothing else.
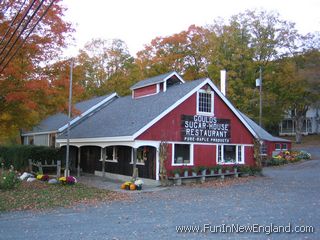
(111, 154)
(52, 140)
(182, 154)
(205, 102)
(31, 140)
(230, 154)
(278, 146)
(263, 149)
(284, 146)
(141, 155)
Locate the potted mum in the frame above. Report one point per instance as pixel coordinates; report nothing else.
(176, 173)
(139, 184)
(195, 171)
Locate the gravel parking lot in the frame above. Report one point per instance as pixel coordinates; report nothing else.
(285, 195)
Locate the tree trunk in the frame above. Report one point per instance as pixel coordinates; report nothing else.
(299, 125)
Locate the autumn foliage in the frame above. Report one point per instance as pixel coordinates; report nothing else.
(35, 83)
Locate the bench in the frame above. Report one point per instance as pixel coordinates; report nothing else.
(178, 180)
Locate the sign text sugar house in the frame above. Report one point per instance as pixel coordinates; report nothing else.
(205, 129)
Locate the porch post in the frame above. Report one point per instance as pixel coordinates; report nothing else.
(79, 161)
(103, 161)
(134, 165)
(157, 163)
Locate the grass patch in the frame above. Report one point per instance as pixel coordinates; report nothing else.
(40, 195)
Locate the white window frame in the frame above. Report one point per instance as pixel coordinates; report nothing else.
(139, 161)
(114, 155)
(222, 162)
(212, 101)
(264, 149)
(191, 155)
(277, 149)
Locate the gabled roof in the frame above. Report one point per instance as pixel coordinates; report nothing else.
(156, 79)
(125, 116)
(261, 133)
(58, 122)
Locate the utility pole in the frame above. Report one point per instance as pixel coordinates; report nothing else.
(259, 84)
(67, 170)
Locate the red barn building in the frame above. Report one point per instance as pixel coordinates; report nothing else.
(198, 123)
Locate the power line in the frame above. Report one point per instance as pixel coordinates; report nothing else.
(19, 24)
(22, 31)
(25, 39)
(12, 22)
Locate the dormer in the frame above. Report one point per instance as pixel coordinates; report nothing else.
(155, 85)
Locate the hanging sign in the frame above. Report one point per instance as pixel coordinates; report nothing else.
(205, 129)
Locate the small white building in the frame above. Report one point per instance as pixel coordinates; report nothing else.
(311, 123)
(46, 132)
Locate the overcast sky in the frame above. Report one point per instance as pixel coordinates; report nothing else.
(137, 22)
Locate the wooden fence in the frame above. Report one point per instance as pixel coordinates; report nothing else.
(40, 166)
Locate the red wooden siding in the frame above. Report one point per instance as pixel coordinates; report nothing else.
(145, 91)
(272, 147)
(171, 123)
(204, 155)
(169, 129)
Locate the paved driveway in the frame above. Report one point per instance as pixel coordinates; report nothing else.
(286, 195)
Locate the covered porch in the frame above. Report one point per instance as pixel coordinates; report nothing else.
(116, 160)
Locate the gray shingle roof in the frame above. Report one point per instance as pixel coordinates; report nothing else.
(56, 121)
(262, 134)
(126, 116)
(152, 80)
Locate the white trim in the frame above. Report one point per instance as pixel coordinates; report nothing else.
(158, 87)
(284, 144)
(275, 146)
(191, 154)
(114, 151)
(102, 139)
(161, 80)
(37, 133)
(157, 164)
(172, 107)
(151, 94)
(165, 86)
(181, 100)
(137, 163)
(236, 160)
(211, 113)
(88, 111)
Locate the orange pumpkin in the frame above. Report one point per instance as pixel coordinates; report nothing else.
(133, 187)
(123, 186)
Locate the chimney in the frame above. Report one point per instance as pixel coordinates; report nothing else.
(223, 82)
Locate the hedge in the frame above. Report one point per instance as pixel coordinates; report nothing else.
(18, 155)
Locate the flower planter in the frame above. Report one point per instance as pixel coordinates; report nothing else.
(211, 172)
(203, 172)
(176, 175)
(220, 171)
(194, 174)
(186, 173)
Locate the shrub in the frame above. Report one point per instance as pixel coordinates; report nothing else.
(8, 179)
(18, 155)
